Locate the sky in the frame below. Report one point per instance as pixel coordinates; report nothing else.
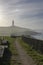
(25, 13)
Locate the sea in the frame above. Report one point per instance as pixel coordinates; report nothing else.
(39, 36)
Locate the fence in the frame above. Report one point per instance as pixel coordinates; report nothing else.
(35, 43)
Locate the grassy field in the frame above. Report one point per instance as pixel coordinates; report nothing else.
(34, 54)
(11, 56)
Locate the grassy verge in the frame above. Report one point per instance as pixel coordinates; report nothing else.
(34, 54)
(12, 55)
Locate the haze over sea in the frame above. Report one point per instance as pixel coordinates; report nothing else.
(39, 36)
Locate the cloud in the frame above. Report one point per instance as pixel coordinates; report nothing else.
(28, 13)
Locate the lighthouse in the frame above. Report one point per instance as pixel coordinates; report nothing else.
(12, 30)
(13, 23)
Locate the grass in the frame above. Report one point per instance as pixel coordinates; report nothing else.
(34, 54)
(11, 45)
(11, 57)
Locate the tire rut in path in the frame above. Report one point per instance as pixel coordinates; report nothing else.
(25, 59)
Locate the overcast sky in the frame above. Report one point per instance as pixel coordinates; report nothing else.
(25, 13)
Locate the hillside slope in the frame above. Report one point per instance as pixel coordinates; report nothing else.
(7, 31)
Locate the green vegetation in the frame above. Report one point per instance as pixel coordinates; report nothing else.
(34, 54)
(11, 57)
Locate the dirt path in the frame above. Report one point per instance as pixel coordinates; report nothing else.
(25, 59)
